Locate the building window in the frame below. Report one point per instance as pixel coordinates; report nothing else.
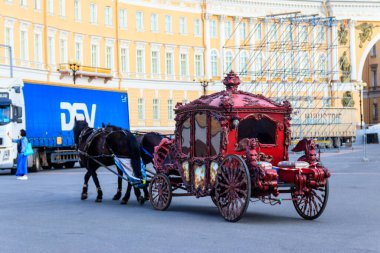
(303, 33)
(63, 50)
(259, 65)
(228, 62)
(214, 63)
(170, 109)
(375, 112)
(213, 32)
(62, 8)
(123, 18)
(124, 60)
(9, 40)
(243, 31)
(139, 21)
(154, 22)
(198, 65)
(243, 63)
(168, 24)
(37, 48)
(321, 34)
(94, 55)
(373, 51)
(169, 64)
(155, 63)
(156, 109)
(108, 15)
(51, 50)
(183, 63)
(197, 27)
(373, 75)
(109, 57)
(258, 31)
(37, 5)
(141, 109)
(24, 45)
(182, 25)
(140, 61)
(273, 33)
(78, 51)
(228, 29)
(23, 3)
(304, 64)
(93, 13)
(50, 7)
(77, 10)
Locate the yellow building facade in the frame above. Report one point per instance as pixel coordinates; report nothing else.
(159, 50)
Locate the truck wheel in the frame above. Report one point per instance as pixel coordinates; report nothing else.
(69, 165)
(13, 171)
(57, 165)
(337, 142)
(329, 143)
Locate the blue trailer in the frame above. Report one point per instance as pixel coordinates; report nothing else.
(47, 111)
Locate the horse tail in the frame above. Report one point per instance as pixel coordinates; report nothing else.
(135, 155)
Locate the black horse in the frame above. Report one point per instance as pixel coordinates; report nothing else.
(101, 144)
(122, 143)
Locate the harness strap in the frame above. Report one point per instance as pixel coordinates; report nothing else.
(146, 152)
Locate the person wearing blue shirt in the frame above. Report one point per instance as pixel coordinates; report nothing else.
(22, 164)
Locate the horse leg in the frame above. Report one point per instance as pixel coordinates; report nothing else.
(125, 199)
(99, 197)
(119, 185)
(146, 193)
(84, 194)
(139, 198)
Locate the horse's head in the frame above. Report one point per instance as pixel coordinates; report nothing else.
(147, 143)
(79, 125)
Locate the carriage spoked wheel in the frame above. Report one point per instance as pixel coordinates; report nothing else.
(160, 192)
(233, 188)
(311, 205)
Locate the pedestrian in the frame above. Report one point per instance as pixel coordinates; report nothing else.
(22, 164)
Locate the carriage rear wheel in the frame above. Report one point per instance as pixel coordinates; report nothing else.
(233, 188)
(160, 192)
(311, 205)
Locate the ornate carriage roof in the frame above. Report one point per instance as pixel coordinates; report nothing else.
(233, 99)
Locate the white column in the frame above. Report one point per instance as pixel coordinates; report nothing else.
(252, 55)
(353, 50)
(208, 45)
(334, 38)
(237, 45)
(222, 20)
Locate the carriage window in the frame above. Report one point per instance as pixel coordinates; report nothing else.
(201, 135)
(215, 136)
(264, 130)
(186, 137)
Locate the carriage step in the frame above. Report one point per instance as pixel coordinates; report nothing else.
(285, 185)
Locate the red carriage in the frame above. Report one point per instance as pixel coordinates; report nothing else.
(233, 146)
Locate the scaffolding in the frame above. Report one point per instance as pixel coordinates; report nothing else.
(291, 57)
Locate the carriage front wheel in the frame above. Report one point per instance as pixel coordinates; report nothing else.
(311, 205)
(160, 192)
(233, 188)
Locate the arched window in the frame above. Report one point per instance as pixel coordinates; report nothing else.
(243, 63)
(322, 65)
(228, 62)
(214, 63)
(259, 65)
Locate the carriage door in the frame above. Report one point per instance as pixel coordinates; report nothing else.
(201, 151)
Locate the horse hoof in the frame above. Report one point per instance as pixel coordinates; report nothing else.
(117, 196)
(98, 200)
(141, 200)
(83, 197)
(123, 202)
(146, 198)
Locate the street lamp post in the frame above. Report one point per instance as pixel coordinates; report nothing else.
(74, 67)
(204, 83)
